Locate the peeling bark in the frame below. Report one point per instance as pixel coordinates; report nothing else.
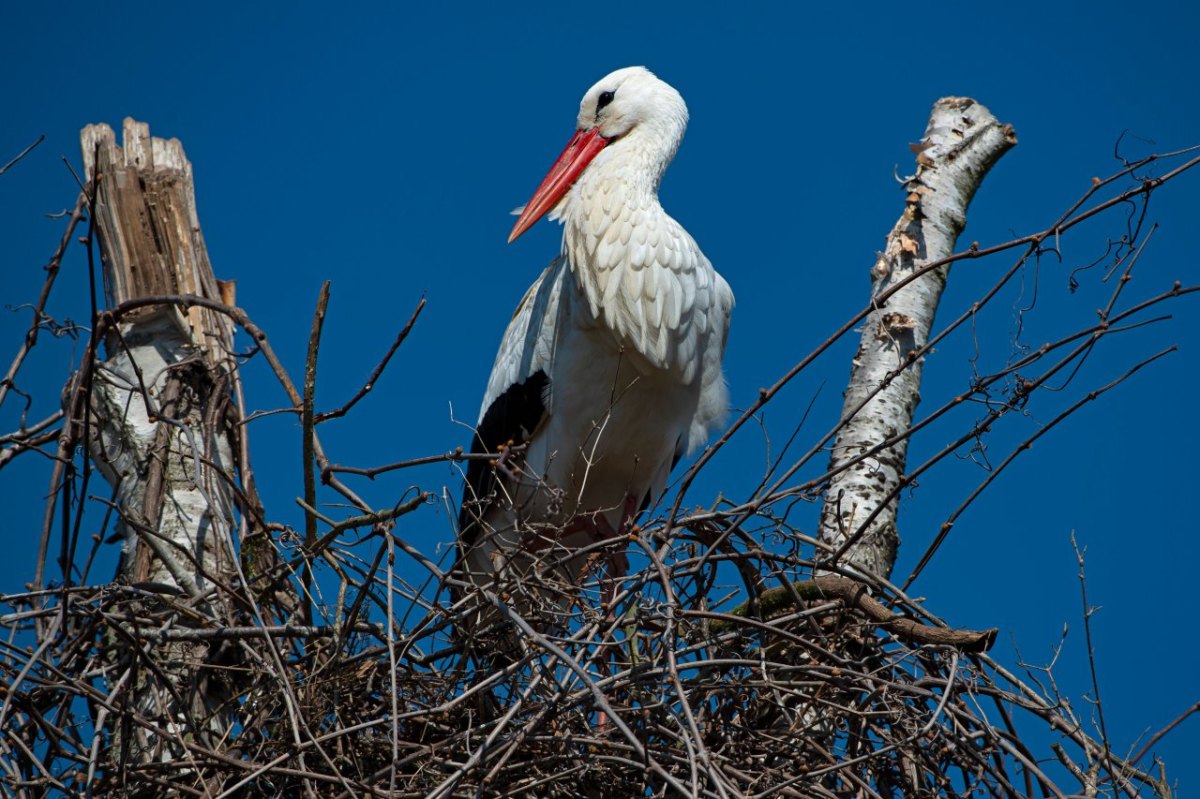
(161, 398)
(961, 144)
(163, 427)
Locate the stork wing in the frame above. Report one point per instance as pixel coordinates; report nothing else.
(518, 392)
(714, 394)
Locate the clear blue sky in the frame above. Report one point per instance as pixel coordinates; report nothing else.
(382, 148)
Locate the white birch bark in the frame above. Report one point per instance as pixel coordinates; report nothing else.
(161, 428)
(961, 143)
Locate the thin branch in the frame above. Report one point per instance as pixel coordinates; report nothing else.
(378, 371)
(308, 441)
(22, 154)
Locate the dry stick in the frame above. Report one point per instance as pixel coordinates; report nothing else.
(370, 384)
(344, 628)
(253, 512)
(803, 641)
(1103, 314)
(1084, 780)
(22, 154)
(1006, 717)
(245, 633)
(1158, 736)
(337, 528)
(78, 405)
(1030, 766)
(456, 456)
(66, 439)
(854, 594)
(32, 442)
(310, 480)
(39, 308)
(1033, 700)
(1106, 753)
(391, 648)
(83, 393)
(947, 692)
(28, 432)
(36, 759)
(257, 770)
(526, 729)
(44, 643)
(774, 466)
(990, 761)
(524, 789)
(1126, 275)
(480, 753)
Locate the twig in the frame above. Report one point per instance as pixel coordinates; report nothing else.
(39, 307)
(22, 154)
(1158, 736)
(308, 441)
(370, 384)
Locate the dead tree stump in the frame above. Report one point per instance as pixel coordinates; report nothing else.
(164, 432)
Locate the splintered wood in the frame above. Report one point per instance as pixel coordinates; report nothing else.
(145, 209)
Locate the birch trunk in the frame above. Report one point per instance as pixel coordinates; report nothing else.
(163, 432)
(961, 143)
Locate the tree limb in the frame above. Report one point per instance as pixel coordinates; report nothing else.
(962, 142)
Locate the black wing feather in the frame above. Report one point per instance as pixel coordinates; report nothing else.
(511, 417)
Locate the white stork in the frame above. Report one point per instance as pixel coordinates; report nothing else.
(610, 369)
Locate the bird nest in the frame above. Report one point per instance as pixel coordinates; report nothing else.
(814, 686)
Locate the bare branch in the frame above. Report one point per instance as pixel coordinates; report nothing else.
(22, 154)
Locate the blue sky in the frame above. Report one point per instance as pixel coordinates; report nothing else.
(382, 146)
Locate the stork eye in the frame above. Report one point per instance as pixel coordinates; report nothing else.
(605, 99)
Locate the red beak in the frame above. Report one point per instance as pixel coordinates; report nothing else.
(582, 148)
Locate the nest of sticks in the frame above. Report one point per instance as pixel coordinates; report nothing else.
(816, 687)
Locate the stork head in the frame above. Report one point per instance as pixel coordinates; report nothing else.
(630, 98)
(625, 110)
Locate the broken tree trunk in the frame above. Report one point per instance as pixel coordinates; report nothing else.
(962, 142)
(164, 432)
